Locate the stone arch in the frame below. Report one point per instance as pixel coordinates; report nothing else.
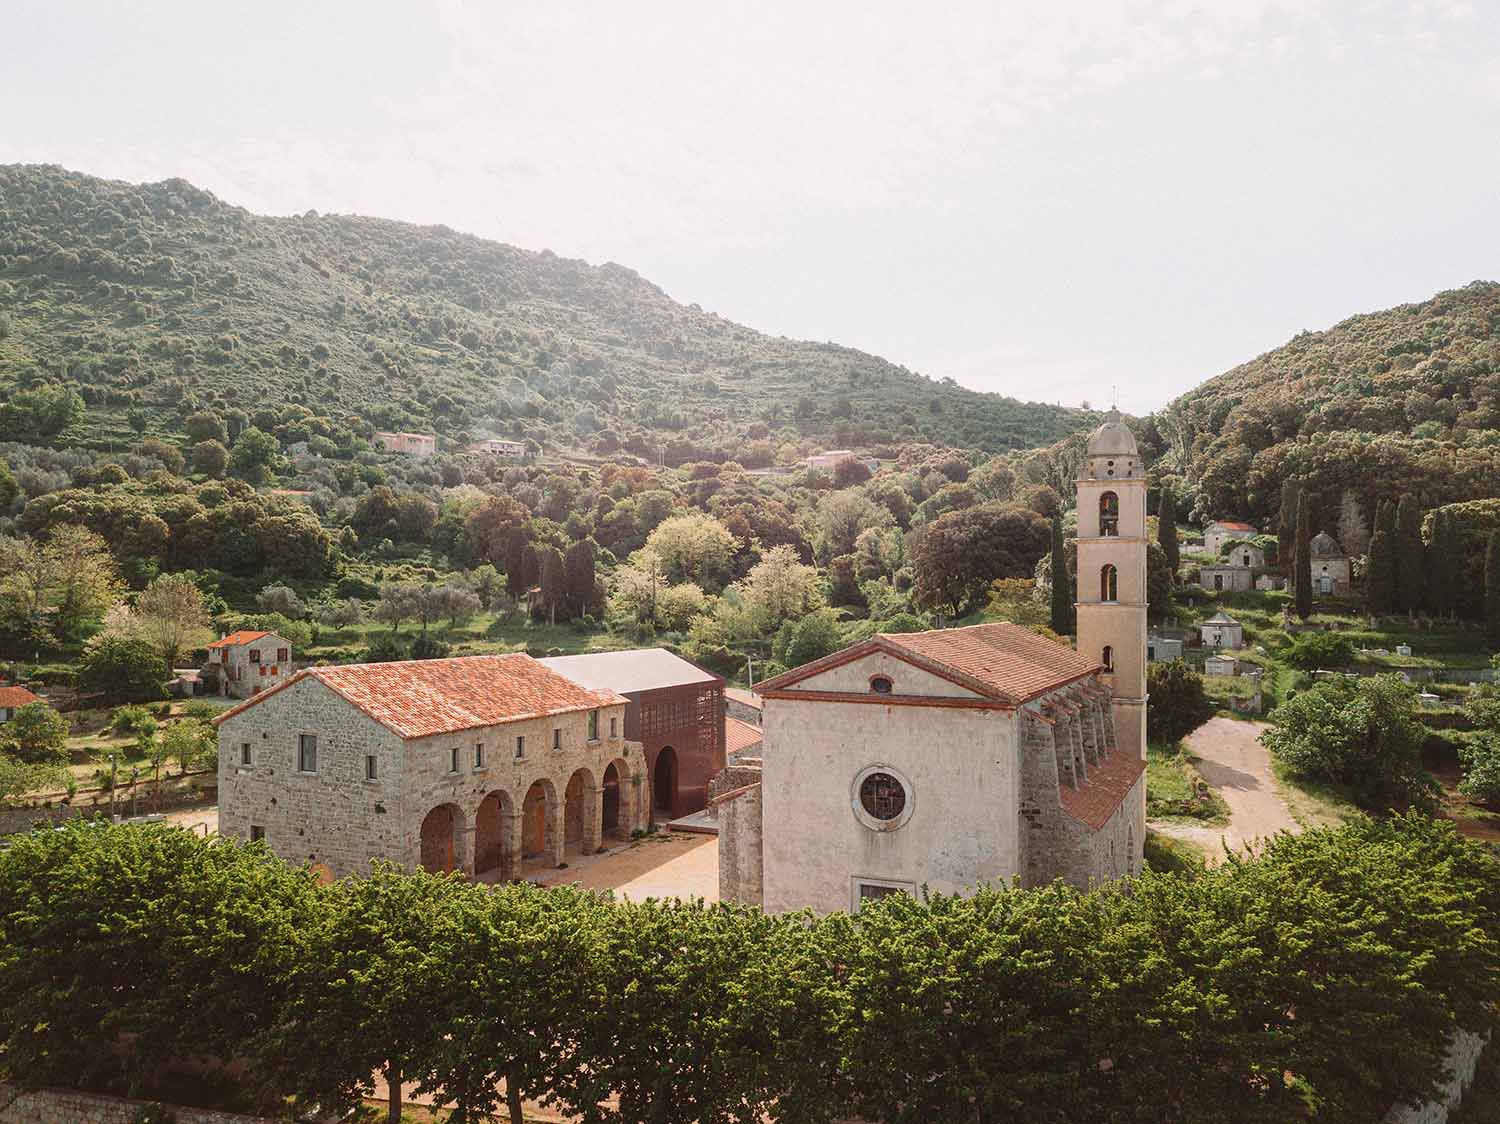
(581, 811)
(618, 815)
(441, 837)
(664, 782)
(1109, 514)
(1109, 583)
(494, 828)
(540, 823)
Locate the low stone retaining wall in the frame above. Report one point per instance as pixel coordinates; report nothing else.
(1463, 1059)
(63, 1106)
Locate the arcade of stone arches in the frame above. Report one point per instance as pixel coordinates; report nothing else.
(504, 832)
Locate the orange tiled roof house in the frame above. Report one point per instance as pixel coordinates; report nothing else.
(478, 764)
(247, 662)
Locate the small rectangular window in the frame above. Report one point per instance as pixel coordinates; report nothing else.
(479, 755)
(593, 725)
(520, 746)
(257, 833)
(244, 753)
(307, 753)
(453, 760)
(255, 655)
(372, 768)
(557, 737)
(614, 724)
(281, 655)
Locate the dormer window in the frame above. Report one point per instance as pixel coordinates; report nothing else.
(881, 684)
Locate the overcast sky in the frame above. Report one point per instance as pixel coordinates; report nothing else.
(1041, 199)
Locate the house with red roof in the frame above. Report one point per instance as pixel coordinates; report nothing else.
(246, 662)
(1221, 531)
(490, 765)
(13, 699)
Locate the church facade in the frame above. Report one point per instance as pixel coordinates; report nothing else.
(956, 757)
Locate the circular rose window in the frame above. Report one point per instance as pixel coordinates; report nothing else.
(881, 798)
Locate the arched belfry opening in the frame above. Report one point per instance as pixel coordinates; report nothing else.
(1109, 514)
(1107, 657)
(1109, 583)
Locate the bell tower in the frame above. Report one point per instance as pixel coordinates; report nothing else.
(1112, 573)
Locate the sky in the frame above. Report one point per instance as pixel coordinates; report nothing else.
(1064, 202)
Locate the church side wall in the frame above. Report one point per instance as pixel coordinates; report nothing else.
(962, 784)
(1116, 849)
(740, 848)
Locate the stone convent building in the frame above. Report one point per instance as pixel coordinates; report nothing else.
(484, 764)
(956, 757)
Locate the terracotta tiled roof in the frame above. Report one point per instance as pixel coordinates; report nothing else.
(16, 696)
(419, 698)
(1002, 662)
(244, 636)
(740, 735)
(743, 697)
(1093, 802)
(1230, 525)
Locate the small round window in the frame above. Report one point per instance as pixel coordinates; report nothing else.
(882, 796)
(881, 684)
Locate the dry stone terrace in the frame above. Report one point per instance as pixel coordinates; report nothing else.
(476, 764)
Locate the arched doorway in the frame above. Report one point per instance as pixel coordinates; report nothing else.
(440, 839)
(580, 806)
(618, 805)
(664, 781)
(536, 820)
(492, 828)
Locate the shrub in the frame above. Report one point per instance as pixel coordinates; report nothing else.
(1178, 704)
(1480, 757)
(38, 734)
(1312, 650)
(133, 721)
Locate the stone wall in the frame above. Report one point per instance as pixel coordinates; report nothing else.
(1463, 1059)
(741, 877)
(338, 818)
(63, 1106)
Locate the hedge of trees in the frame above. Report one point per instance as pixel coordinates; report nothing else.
(1321, 978)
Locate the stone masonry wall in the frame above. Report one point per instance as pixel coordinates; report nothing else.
(338, 818)
(63, 1106)
(740, 848)
(1463, 1059)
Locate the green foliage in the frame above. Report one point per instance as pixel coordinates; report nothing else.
(1177, 704)
(41, 411)
(1492, 586)
(1166, 531)
(1410, 555)
(1362, 734)
(17, 778)
(1381, 582)
(1302, 558)
(1313, 650)
(957, 556)
(37, 734)
(1060, 587)
(122, 669)
(134, 721)
(1480, 757)
(254, 455)
(190, 742)
(813, 637)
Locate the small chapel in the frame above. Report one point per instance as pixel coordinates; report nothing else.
(956, 757)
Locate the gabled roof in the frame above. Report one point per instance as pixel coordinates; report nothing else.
(243, 636)
(1221, 617)
(420, 698)
(1231, 525)
(739, 736)
(1002, 662)
(743, 697)
(12, 697)
(639, 669)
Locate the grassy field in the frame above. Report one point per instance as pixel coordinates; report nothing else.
(1175, 791)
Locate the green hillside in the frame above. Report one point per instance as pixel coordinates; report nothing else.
(1404, 400)
(160, 298)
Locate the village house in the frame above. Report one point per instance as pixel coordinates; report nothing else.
(1222, 631)
(245, 663)
(676, 712)
(742, 704)
(1221, 663)
(13, 699)
(1226, 578)
(1163, 648)
(1221, 531)
(499, 446)
(956, 757)
(483, 764)
(1331, 569)
(419, 445)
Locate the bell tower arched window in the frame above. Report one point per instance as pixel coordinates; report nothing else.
(1107, 658)
(1109, 584)
(1109, 514)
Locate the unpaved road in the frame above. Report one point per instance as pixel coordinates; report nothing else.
(1238, 768)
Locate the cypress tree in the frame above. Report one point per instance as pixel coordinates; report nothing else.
(1062, 592)
(1442, 565)
(1409, 555)
(1492, 586)
(1166, 530)
(1302, 557)
(1382, 576)
(1286, 525)
(1385, 518)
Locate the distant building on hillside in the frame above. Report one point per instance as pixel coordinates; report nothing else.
(1221, 531)
(826, 462)
(1221, 664)
(744, 705)
(1224, 578)
(499, 446)
(417, 445)
(1222, 631)
(245, 663)
(1330, 565)
(1163, 648)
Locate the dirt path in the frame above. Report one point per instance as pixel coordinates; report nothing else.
(1238, 767)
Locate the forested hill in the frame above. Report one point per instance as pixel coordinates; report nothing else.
(159, 299)
(1405, 400)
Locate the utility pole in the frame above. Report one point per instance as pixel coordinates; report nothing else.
(111, 788)
(134, 772)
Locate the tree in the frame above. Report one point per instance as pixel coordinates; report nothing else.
(1314, 650)
(172, 614)
(211, 458)
(122, 668)
(1166, 530)
(849, 472)
(204, 426)
(778, 588)
(1381, 581)
(1354, 535)
(281, 599)
(694, 547)
(1410, 560)
(1177, 703)
(1061, 590)
(1363, 734)
(9, 489)
(343, 614)
(189, 742)
(1286, 525)
(38, 733)
(487, 583)
(581, 581)
(397, 603)
(1015, 600)
(41, 411)
(254, 455)
(813, 637)
(522, 567)
(554, 582)
(458, 602)
(1492, 586)
(956, 556)
(1302, 566)
(17, 778)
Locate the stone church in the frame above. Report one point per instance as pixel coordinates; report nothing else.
(962, 756)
